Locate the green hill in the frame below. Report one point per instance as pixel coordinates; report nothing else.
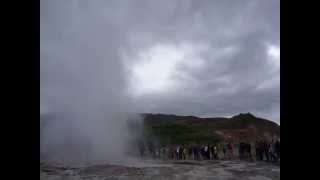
(173, 129)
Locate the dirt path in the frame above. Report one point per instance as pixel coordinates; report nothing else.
(154, 170)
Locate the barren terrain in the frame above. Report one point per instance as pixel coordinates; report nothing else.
(222, 170)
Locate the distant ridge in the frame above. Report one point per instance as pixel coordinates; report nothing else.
(241, 127)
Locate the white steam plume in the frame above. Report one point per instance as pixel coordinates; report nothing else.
(83, 84)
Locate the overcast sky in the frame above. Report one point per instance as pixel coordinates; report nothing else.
(187, 57)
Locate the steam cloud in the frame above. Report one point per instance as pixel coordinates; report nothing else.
(83, 85)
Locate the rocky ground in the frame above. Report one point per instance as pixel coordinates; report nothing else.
(186, 170)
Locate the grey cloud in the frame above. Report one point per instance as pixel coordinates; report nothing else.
(226, 84)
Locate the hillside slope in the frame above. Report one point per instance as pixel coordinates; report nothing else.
(173, 129)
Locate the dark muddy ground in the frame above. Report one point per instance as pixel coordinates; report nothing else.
(154, 170)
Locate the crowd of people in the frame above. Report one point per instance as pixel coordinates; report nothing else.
(259, 150)
(268, 151)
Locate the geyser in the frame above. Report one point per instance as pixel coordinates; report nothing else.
(83, 85)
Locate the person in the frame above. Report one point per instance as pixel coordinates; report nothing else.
(151, 149)
(211, 151)
(230, 150)
(241, 150)
(194, 152)
(201, 150)
(180, 152)
(141, 148)
(190, 151)
(271, 151)
(259, 150)
(215, 152)
(252, 151)
(156, 152)
(224, 150)
(277, 149)
(249, 151)
(177, 152)
(197, 152)
(172, 153)
(185, 153)
(206, 152)
(164, 151)
(266, 150)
